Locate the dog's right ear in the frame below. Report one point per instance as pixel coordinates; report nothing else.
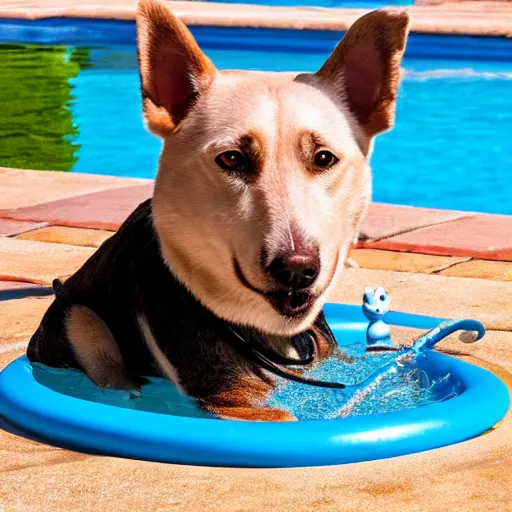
(364, 69)
(173, 69)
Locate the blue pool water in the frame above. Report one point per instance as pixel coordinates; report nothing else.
(414, 385)
(451, 147)
(375, 382)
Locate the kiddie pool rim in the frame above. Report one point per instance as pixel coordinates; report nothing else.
(98, 428)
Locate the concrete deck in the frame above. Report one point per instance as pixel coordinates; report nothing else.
(51, 222)
(475, 17)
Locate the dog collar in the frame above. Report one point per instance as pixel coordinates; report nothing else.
(273, 361)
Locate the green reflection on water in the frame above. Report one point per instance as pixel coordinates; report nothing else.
(36, 125)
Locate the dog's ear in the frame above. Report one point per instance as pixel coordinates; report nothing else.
(173, 69)
(364, 69)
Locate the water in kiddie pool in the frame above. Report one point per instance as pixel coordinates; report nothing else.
(412, 385)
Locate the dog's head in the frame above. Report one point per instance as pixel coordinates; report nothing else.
(264, 177)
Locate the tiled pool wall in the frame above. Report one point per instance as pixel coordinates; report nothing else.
(84, 31)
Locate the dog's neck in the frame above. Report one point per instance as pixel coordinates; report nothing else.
(298, 346)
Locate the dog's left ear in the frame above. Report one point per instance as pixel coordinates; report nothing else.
(364, 69)
(174, 71)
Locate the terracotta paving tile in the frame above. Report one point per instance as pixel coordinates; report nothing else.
(39, 262)
(68, 235)
(481, 236)
(402, 261)
(502, 255)
(22, 188)
(10, 227)
(385, 220)
(482, 269)
(434, 295)
(99, 210)
(21, 317)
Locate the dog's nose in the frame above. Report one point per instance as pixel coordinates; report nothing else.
(296, 270)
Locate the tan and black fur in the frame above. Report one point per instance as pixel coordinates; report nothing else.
(257, 245)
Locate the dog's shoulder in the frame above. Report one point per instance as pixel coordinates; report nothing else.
(110, 283)
(120, 261)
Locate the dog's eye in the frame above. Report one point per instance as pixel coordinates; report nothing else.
(324, 159)
(231, 161)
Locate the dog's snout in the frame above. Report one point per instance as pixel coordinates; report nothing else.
(296, 270)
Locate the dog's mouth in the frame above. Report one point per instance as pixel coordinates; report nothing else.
(289, 303)
(292, 303)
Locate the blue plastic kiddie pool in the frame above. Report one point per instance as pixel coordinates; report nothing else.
(61, 407)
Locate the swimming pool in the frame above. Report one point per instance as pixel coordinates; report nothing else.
(72, 102)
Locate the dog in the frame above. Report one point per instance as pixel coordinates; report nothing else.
(262, 185)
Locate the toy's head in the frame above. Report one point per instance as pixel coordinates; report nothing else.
(375, 303)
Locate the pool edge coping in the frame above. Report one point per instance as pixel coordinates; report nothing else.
(491, 20)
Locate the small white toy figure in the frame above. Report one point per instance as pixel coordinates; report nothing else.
(375, 306)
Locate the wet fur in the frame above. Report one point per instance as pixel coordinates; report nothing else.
(155, 298)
